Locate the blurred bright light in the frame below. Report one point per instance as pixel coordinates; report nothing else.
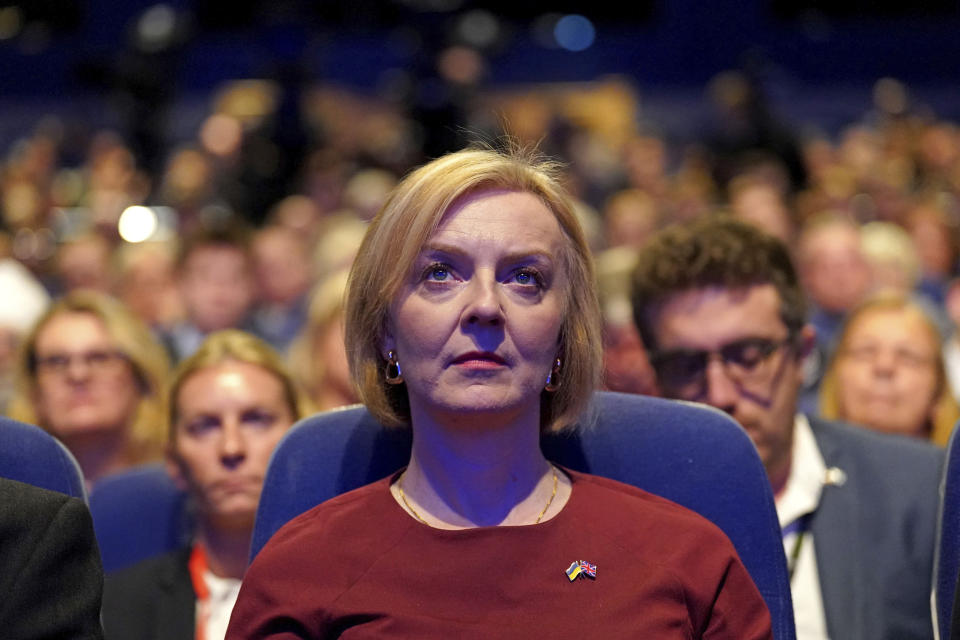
(137, 223)
(156, 26)
(574, 32)
(479, 28)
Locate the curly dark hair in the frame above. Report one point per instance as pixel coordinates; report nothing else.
(712, 251)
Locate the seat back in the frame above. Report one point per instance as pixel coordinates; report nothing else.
(691, 454)
(946, 563)
(137, 514)
(30, 454)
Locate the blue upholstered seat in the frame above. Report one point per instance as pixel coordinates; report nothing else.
(137, 514)
(947, 558)
(692, 454)
(30, 454)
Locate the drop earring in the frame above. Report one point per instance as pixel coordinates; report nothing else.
(553, 378)
(394, 374)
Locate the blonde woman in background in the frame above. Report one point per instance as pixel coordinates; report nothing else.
(887, 372)
(318, 358)
(91, 374)
(227, 407)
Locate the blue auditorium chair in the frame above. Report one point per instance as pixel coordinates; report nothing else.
(691, 454)
(30, 454)
(947, 556)
(137, 514)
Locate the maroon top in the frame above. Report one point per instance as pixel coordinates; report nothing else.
(361, 567)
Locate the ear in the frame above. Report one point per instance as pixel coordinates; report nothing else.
(387, 341)
(806, 341)
(175, 469)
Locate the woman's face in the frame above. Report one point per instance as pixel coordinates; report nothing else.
(886, 372)
(230, 417)
(476, 327)
(85, 384)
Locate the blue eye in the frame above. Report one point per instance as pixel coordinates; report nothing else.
(437, 272)
(528, 278)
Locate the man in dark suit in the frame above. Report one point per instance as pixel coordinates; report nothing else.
(718, 304)
(51, 580)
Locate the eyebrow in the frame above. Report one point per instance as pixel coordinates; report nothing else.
(533, 255)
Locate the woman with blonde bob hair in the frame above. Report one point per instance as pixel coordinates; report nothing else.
(90, 373)
(472, 318)
(227, 407)
(887, 372)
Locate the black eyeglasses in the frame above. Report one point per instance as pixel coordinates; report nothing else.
(682, 373)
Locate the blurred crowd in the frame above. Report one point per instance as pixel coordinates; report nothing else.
(253, 222)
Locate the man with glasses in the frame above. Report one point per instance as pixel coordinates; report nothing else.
(719, 307)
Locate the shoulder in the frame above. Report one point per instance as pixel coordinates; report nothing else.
(14, 496)
(628, 515)
(158, 569)
(878, 449)
(358, 525)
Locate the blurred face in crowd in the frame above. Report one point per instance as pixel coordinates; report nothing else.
(217, 287)
(832, 267)
(85, 384)
(281, 265)
(731, 349)
(887, 372)
(230, 417)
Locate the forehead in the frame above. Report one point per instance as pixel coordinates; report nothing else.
(890, 325)
(710, 317)
(229, 381)
(73, 329)
(508, 220)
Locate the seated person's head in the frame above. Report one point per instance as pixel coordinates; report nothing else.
(281, 264)
(408, 244)
(227, 408)
(318, 358)
(718, 304)
(216, 277)
(832, 267)
(90, 373)
(887, 372)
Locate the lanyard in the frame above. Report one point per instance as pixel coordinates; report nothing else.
(198, 567)
(799, 527)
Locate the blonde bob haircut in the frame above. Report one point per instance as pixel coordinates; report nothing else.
(945, 410)
(146, 356)
(233, 345)
(396, 236)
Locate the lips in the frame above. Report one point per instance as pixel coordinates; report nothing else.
(480, 359)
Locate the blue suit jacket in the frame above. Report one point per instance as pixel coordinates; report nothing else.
(875, 534)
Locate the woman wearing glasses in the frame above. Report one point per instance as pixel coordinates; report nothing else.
(472, 319)
(91, 374)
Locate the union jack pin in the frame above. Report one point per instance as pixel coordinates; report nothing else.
(581, 569)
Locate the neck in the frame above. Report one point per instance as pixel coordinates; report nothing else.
(99, 454)
(778, 475)
(465, 476)
(227, 551)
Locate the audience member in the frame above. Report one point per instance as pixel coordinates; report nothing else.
(318, 358)
(83, 262)
(888, 374)
(281, 260)
(227, 407)
(52, 579)
(215, 274)
(16, 319)
(91, 374)
(147, 283)
(719, 304)
(472, 317)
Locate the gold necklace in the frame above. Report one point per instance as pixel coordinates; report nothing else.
(416, 515)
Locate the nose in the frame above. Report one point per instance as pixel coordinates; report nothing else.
(484, 306)
(233, 447)
(721, 391)
(77, 369)
(884, 363)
